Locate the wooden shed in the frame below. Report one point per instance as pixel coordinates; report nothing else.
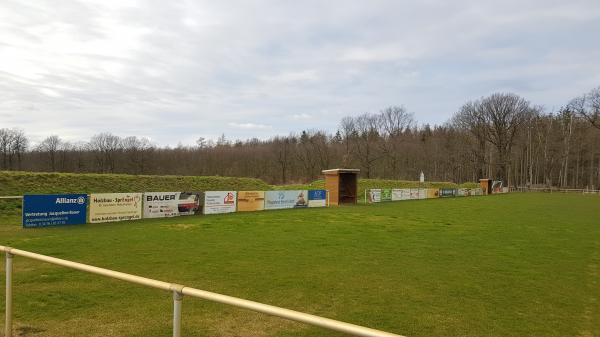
(486, 186)
(342, 185)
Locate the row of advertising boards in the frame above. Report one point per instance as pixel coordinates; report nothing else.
(398, 194)
(71, 209)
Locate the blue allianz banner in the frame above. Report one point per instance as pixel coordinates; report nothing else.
(317, 198)
(54, 210)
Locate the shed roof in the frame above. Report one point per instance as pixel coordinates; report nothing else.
(340, 170)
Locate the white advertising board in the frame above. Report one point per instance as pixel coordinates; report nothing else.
(374, 195)
(217, 202)
(161, 204)
(397, 194)
(286, 199)
(464, 192)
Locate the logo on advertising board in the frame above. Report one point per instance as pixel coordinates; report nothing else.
(229, 198)
(317, 198)
(386, 194)
(300, 200)
(54, 210)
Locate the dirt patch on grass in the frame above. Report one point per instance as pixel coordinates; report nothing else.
(27, 330)
(248, 324)
(181, 226)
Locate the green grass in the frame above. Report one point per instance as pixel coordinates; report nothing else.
(506, 265)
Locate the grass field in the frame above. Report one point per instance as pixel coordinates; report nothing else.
(507, 265)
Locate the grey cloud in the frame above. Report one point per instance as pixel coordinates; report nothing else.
(175, 71)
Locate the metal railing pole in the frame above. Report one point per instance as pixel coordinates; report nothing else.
(8, 310)
(177, 299)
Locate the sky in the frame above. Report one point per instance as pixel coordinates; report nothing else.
(174, 71)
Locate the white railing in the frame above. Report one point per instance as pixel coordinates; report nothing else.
(179, 291)
(557, 190)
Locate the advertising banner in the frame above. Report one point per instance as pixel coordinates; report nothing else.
(386, 194)
(422, 193)
(464, 192)
(190, 203)
(414, 193)
(248, 201)
(218, 202)
(54, 210)
(447, 192)
(397, 194)
(374, 195)
(107, 207)
(161, 204)
(317, 198)
(477, 191)
(285, 199)
(433, 193)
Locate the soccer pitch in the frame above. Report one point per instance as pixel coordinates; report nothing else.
(506, 265)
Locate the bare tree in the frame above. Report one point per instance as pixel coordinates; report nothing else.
(392, 123)
(470, 118)
(105, 147)
(19, 146)
(6, 139)
(365, 138)
(136, 153)
(283, 152)
(347, 131)
(50, 147)
(588, 106)
(13, 144)
(496, 119)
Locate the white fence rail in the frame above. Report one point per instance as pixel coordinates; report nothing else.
(556, 190)
(179, 291)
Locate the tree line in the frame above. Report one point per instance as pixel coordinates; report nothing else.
(502, 136)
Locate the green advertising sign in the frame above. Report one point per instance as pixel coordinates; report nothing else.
(386, 194)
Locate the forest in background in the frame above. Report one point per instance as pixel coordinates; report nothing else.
(501, 136)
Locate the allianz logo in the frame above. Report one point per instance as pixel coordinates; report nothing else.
(79, 200)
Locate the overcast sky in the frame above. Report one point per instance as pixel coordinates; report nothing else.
(177, 70)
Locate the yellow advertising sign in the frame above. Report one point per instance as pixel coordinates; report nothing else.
(433, 193)
(107, 207)
(248, 201)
